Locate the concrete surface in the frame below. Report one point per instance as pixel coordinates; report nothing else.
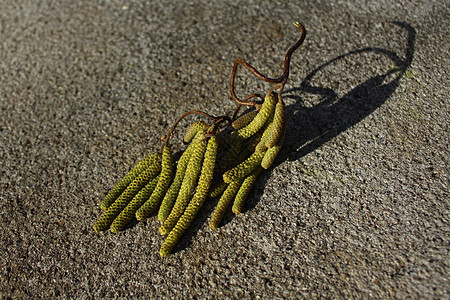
(356, 206)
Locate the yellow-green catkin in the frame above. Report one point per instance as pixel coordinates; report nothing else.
(261, 145)
(193, 130)
(278, 124)
(187, 187)
(249, 146)
(271, 153)
(244, 120)
(261, 118)
(224, 203)
(217, 188)
(244, 190)
(197, 200)
(163, 183)
(128, 194)
(127, 214)
(172, 192)
(244, 169)
(122, 185)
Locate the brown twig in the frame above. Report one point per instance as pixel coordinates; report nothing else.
(280, 80)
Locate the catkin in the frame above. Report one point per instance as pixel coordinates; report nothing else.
(127, 214)
(193, 130)
(199, 197)
(133, 188)
(271, 153)
(224, 203)
(244, 120)
(244, 169)
(187, 187)
(278, 124)
(217, 188)
(172, 192)
(261, 118)
(128, 178)
(163, 183)
(244, 190)
(261, 145)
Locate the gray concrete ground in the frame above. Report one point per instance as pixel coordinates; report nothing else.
(356, 206)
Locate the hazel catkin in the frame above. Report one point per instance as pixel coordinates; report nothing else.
(261, 118)
(193, 130)
(197, 200)
(172, 192)
(244, 191)
(244, 120)
(244, 169)
(276, 129)
(187, 187)
(217, 188)
(271, 153)
(128, 178)
(133, 188)
(224, 202)
(127, 214)
(163, 183)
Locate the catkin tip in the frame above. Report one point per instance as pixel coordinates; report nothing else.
(139, 217)
(163, 230)
(163, 253)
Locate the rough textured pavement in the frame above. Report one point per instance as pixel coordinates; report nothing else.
(356, 206)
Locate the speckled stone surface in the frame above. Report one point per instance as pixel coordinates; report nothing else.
(356, 205)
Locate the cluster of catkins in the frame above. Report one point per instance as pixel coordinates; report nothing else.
(219, 162)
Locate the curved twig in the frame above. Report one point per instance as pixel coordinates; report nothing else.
(281, 80)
